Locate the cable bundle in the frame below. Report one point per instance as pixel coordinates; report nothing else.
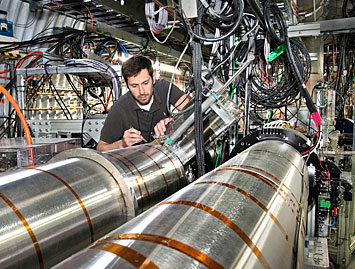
(100, 67)
(279, 124)
(226, 19)
(150, 13)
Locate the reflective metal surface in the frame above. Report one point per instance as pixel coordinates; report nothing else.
(247, 213)
(54, 210)
(216, 121)
(152, 171)
(49, 212)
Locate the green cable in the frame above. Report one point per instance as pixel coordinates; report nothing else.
(270, 112)
(219, 153)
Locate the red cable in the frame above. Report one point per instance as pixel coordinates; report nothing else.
(5, 71)
(108, 100)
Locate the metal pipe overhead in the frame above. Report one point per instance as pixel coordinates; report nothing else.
(49, 212)
(248, 213)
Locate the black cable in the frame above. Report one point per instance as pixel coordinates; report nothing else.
(301, 52)
(272, 84)
(199, 139)
(344, 42)
(346, 12)
(54, 91)
(238, 4)
(76, 91)
(28, 24)
(273, 13)
(301, 86)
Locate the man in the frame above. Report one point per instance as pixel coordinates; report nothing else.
(142, 111)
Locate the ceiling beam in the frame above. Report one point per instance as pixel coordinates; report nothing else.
(335, 26)
(103, 28)
(136, 11)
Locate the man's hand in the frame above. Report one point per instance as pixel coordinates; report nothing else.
(160, 128)
(131, 137)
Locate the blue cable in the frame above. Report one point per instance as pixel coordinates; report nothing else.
(102, 48)
(330, 225)
(121, 45)
(124, 49)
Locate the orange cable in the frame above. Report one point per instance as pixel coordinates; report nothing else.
(4, 77)
(92, 19)
(26, 57)
(19, 113)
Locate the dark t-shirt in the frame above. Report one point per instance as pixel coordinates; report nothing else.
(125, 113)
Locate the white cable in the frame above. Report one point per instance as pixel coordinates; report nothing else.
(172, 76)
(278, 124)
(167, 37)
(150, 15)
(267, 48)
(156, 27)
(216, 45)
(318, 143)
(214, 49)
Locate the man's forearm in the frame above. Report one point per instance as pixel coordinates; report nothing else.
(103, 146)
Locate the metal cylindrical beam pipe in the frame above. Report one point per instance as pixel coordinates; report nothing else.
(49, 212)
(247, 213)
(153, 172)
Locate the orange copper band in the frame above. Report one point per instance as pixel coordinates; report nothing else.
(145, 184)
(247, 151)
(130, 255)
(161, 171)
(227, 222)
(267, 173)
(264, 179)
(251, 197)
(28, 228)
(167, 156)
(139, 187)
(170, 243)
(256, 175)
(76, 196)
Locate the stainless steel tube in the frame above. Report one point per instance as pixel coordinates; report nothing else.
(214, 125)
(153, 173)
(209, 101)
(247, 213)
(49, 212)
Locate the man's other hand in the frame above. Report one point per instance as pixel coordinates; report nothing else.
(131, 137)
(160, 128)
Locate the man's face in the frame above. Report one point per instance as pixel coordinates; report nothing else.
(141, 87)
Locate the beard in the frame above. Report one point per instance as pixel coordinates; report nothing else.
(143, 99)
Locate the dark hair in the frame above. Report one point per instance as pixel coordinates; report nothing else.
(136, 64)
